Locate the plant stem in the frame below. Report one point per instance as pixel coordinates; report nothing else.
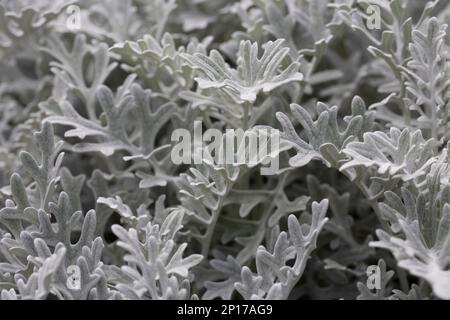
(206, 245)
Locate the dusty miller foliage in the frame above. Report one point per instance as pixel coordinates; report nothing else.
(86, 177)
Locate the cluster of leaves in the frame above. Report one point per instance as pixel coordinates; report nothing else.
(93, 207)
